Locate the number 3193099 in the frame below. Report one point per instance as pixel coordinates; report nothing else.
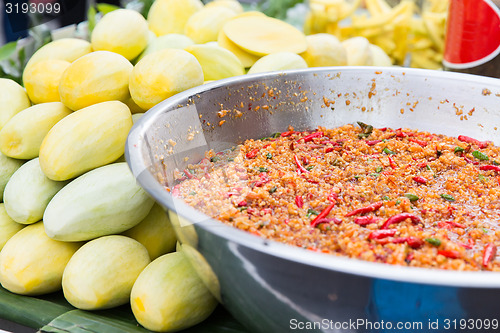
(32, 8)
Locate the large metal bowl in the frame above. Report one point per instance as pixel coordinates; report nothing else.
(273, 287)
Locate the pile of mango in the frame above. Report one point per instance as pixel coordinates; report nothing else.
(72, 216)
(411, 35)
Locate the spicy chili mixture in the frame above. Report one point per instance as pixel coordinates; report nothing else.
(395, 196)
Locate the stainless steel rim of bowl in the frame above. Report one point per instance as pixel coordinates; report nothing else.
(330, 262)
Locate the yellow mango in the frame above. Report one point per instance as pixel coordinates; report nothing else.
(217, 62)
(136, 117)
(68, 49)
(262, 35)
(100, 275)
(169, 296)
(123, 31)
(8, 227)
(33, 264)
(86, 139)
(155, 232)
(96, 77)
(324, 50)
(170, 16)
(28, 193)
(380, 58)
(41, 80)
(163, 74)
(278, 62)
(23, 134)
(204, 25)
(7, 168)
(234, 5)
(247, 59)
(133, 107)
(169, 41)
(14, 99)
(358, 51)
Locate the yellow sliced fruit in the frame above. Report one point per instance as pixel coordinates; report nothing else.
(163, 74)
(358, 51)
(324, 50)
(31, 263)
(217, 62)
(262, 35)
(155, 232)
(86, 139)
(41, 80)
(169, 296)
(123, 31)
(7, 168)
(8, 227)
(23, 134)
(234, 5)
(278, 62)
(380, 58)
(247, 59)
(169, 41)
(133, 107)
(100, 275)
(204, 25)
(170, 16)
(94, 78)
(14, 99)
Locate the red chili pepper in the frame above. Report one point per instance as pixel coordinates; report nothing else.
(412, 242)
(420, 180)
(327, 220)
(380, 234)
(328, 149)
(285, 134)
(480, 144)
(422, 165)
(299, 201)
(266, 145)
(400, 218)
(299, 165)
(383, 129)
(456, 224)
(310, 137)
(419, 142)
(264, 179)
(323, 214)
(489, 167)
(242, 203)
(489, 254)
(372, 142)
(363, 210)
(468, 160)
(391, 162)
(400, 133)
(188, 174)
(333, 197)
(252, 153)
(366, 220)
(469, 245)
(176, 191)
(450, 254)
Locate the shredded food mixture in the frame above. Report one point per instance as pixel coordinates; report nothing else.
(395, 196)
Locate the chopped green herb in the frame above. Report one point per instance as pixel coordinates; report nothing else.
(495, 162)
(276, 135)
(480, 156)
(385, 197)
(214, 159)
(192, 193)
(485, 230)
(263, 169)
(439, 153)
(398, 202)
(269, 156)
(366, 130)
(309, 167)
(447, 197)
(273, 189)
(310, 212)
(433, 241)
(412, 197)
(379, 169)
(374, 174)
(242, 208)
(357, 177)
(230, 159)
(483, 178)
(388, 151)
(459, 149)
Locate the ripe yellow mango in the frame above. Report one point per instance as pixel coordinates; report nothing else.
(41, 80)
(23, 134)
(380, 58)
(262, 35)
(278, 62)
(168, 41)
(86, 139)
(33, 264)
(155, 232)
(170, 16)
(169, 296)
(163, 74)
(247, 59)
(217, 62)
(8, 227)
(28, 193)
(7, 168)
(234, 5)
(100, 275)
(204, 25)
(94, 78)
(324, 50)
(358, 51)
(123, 31)
(14, 99)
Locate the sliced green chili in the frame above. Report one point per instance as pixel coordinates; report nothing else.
(447, 197)
(263, 169)
(412, 197)
(379, 169)
(480, 156)
(310, 212)
(269, 156)
(433, 241)
(388, 151)
(459, 150)
(273, 189)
